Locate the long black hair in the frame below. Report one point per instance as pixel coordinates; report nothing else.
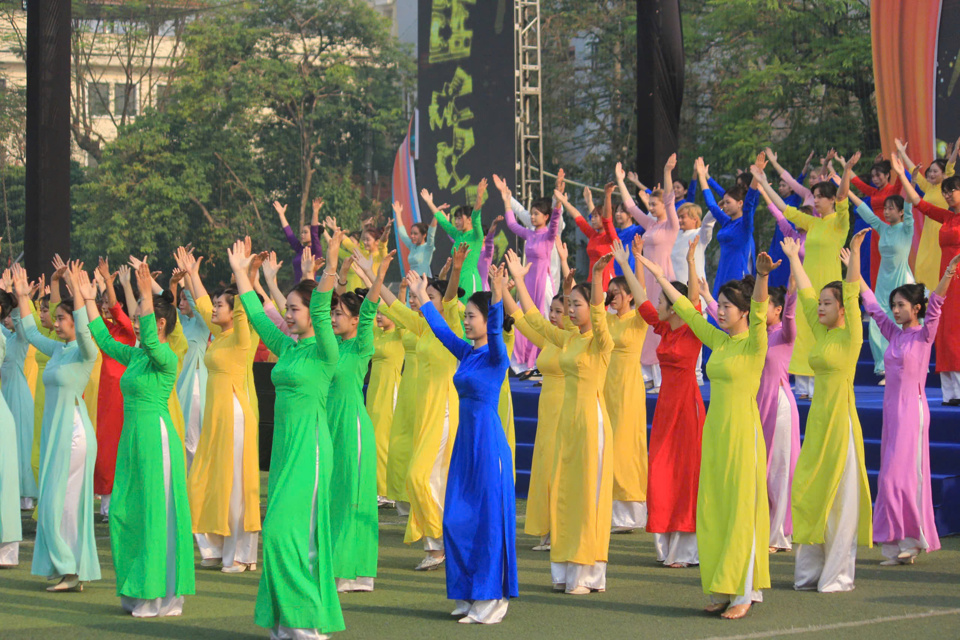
(915, 294)
(164, 307)
(481, 300)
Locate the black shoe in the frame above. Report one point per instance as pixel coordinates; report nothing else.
(529, 373)
(951, 403)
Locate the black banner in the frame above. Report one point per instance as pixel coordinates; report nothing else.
(466, 102)
(659, 85)
(947, 80)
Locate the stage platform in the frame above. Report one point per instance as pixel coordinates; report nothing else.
(944, 435)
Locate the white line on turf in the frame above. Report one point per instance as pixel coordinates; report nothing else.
(838, 625)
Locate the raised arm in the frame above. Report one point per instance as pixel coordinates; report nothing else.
(453, 283)
(769, 192)
(519, 271)
(454, 344)
(518, 229)
(707, 333)
(161, 356)
(844, 188)
(628, 203)
(620, 254)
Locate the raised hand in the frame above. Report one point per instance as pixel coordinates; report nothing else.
(765, 264)
(637, 246)
(271, 267)
(307, 264)
(635, 179)
(561, 197)
(317, 204)
(331, 223)
(692, 251)
(481, 191)
(281, 209)
(103, 268)
(493, 226)
(562, 250)
(700, 168)
(601, 264)
(418, 286)
(845, 256)
(363, 263)
(460, 255)
(852, 162)
(333, 249)
(791, 248)
(145, 279)
(239, 258)
(502, 187)
(445, 271)
(20, 284)
(619, 173)
(124, 274)
(569, 282)
(178, 275)
(87, 289)
(671, 163)
(620, 254)
(770, 154)
(517, 269)
(385, 264)
(135, 262)
(857, 239)
(761, 161)
(896, 163)
(561, 183)
(397, 209)
(427, 197)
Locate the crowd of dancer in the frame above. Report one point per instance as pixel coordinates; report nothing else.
(144, 396)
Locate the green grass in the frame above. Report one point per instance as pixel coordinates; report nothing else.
(643, 599)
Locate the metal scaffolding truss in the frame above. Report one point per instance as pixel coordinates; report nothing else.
(528, 130)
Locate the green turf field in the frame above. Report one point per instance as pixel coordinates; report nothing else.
(643, 600)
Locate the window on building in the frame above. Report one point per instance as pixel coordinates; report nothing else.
(125, 99)
(98, 98)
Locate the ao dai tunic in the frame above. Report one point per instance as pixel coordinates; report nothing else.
(353, 499)
(469, 274)
(732, 511)
(658, 241)
(10, 530)
(211, 477)
(905, 443)
(626, 399)
(138, 507)
(537, 249)
(479, 516)
(675, 439)
(825, 237)
(297, 587)
(437, 415)
(403, 427)
(110, 404)
(833, 414)
(198, 337)
(735, 238)
(581, 499)
(927, 268)
(948, 338)
(385, 367)
(894, 271)
(65, 377)
(419, 256)
(549, 406)
(19, 402)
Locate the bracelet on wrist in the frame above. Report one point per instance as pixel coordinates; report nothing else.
(331, 273)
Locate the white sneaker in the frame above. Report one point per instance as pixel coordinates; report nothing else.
(430, 563)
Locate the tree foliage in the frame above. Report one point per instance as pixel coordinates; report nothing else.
(283, 99)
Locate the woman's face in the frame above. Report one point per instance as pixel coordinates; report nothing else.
(829, 311)
(657, 208)
(414, 302)
(8, 323)
(45, 319)
(664, 308)
(415, 236)
(64, 326)
(934, 174)
(474, 322)
(369, 242)
(679, 191)
(784, 189)
(104, 307)
(222, 312)
(298, 315)
(619, 299)
(879, 178)
(579, 310)
(688, 221)
(384, 322)
(436, 297)
(732, 207)
(595, 221)
(184, 306)
(621, 218)
(952, 197)
(344, 324)
(904, 313)
(556, 313)
(774, 314)
(459, 222)
(538, 219)
(891, 213)
(728, 314)
(822, 204)
(305, 235)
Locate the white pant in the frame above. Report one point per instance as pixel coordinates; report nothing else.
(281, 632)
(241, 545)
(105, 505)
(171, 604)
(830, 567)
(700, 368)
(572, 575)
(482, 611)
(950, 382)
(10, 554)
(778, 472)
(432, 544)
(403, 508)
(70, 520)
(651, 373)
(750, 595)
(676, 547)
(630, 515)
(26, 504)
(194, 422)
(360, 583)
(803, 385)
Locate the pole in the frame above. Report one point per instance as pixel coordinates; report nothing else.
(48, 133)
